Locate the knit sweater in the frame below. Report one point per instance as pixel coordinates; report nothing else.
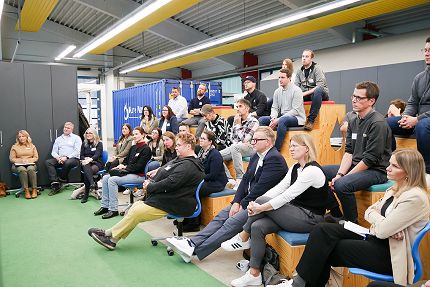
(19, 152)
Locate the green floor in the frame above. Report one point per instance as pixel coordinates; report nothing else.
(44, 242)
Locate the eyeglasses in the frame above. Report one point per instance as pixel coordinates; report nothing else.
(165, 110)
(357, 98)
(254, 141)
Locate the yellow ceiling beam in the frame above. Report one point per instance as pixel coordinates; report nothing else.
(34, 13)
(354, 14)
(163, 13)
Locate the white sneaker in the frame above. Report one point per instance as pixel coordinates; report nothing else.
(237, 184)
(184, 246)
(138, 192)
(126, 192)
(284, 283)
(247, 280)
(235, 244)
(230, 184)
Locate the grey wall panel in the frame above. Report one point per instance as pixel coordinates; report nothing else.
(333, 82)
(268, 87)
(12, 115)
(39, 113)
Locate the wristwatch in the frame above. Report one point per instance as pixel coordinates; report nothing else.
(339, 173)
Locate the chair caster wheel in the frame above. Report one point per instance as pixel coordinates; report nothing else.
(17, 195)
(170, 252)
(154, 242)
(7, 193)
(122, 213)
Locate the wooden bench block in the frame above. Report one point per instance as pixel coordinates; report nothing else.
(229, 164)
(289, 256)
(224, 111)
(211, 206)
(406, 143)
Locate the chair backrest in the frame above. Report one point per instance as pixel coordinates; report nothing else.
(416, 253)
(199, 203)
(105, 156)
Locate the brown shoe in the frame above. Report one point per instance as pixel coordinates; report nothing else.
(308, 126)
(2, 193)
(34, 193)
(27, 193)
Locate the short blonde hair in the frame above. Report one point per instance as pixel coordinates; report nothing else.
(306, 140)
(24, 133)
(268, 132)
(96, 136)
(412, 163)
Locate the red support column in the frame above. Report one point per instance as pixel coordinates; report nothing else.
(249, 60)
(186, 74)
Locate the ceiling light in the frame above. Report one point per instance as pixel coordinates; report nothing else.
(122, 25)
(229, 38)
(1, 8)
(65, 52)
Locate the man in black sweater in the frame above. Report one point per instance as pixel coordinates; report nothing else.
(170, 191)
(194, 109)
(256, 97)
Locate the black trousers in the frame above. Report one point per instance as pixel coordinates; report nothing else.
(52, 164)
(329, 244)
(111, 164)
(89, 170)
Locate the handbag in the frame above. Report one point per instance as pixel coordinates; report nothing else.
(118, 172)
(271, 256)
(271, 276)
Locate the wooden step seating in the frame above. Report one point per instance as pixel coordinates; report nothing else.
(290, 247)
(229, 164)
(406, 142)
(224, 111)
(213, 204)
(330, 114)
(366, 198)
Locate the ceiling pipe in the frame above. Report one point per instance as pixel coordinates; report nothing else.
(19, 32)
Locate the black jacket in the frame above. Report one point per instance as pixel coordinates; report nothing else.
(258, 102)
(174, 186)
(137, 159)
(94, 152)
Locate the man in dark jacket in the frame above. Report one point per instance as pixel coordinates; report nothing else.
(256, 97)
(266, 169)
(170, 191)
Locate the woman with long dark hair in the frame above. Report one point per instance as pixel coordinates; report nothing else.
(148, 121)
(122, 147)
(168, 121)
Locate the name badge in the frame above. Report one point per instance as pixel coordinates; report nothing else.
(311, 80)
(364, 135)
(354, 136)
(27, 148)
(168, 125)
(167, 167)
(93, 149)
(136, 155)
(200, 103)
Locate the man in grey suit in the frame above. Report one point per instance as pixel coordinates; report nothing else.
(266, 169)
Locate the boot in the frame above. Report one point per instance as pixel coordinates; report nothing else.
(2, 193)
(34, 193)
(85, 196)
(27, 193)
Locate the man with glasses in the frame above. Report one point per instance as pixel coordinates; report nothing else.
(266, 169)
(367, 152)
(416, 117)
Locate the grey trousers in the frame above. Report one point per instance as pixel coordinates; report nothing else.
(235, 152)
(196, 120)
(288, 217)
(220, 229)
(25, 173)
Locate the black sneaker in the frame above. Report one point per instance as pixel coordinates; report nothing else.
(332, 219)
(102, 210)
(104, 241)
(110, 214)
(55, 188)
(97, 231)
(309, 126)
(62, 180)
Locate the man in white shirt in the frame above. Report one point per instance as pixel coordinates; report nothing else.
(65, 153)
(178, 104)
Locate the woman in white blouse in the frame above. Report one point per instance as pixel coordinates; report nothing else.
(296, 204)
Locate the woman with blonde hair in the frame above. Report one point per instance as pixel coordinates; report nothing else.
(169, 141)
(24, 156)
(91, 160)
(122, 147)
(295, 204)
(395, 222)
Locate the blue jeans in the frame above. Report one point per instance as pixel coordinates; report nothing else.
(153, 164)
(421, 131)
(284, 123)
(347, 185)
(317, 97)
(110, 188)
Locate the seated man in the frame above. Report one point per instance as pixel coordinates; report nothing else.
(367, 151)
(416, 117)
(311, 79)
(170, 191)
(218, 125)
(65, 152)
(183, 128)
(287, 108)
(244, 126)
(194, 109)
(266, 169)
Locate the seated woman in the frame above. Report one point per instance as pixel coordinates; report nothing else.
(157, 149)
(130, 171)
(296, 204)
(169, 142)
(91, 160)
(122, 147)
(215, 176)
(171, 190)
(148, 121)
(168, 121)
(395, 221)
(23, 156)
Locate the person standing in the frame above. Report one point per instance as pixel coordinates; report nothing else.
(311, 80)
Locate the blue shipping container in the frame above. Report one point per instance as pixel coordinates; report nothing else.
(128, 103)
